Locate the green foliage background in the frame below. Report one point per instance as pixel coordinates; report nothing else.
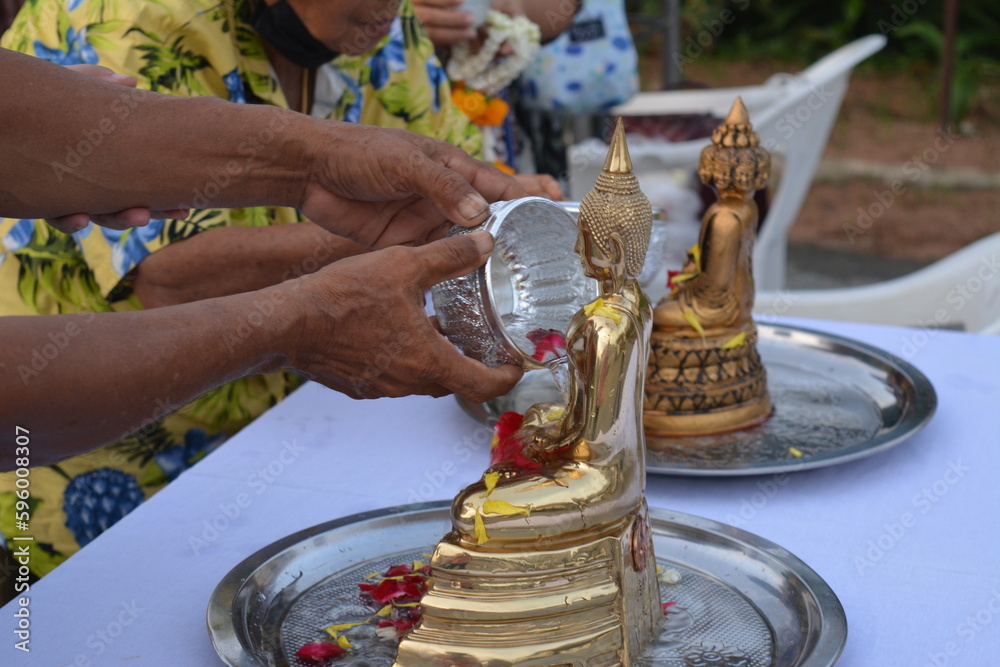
(804, 30)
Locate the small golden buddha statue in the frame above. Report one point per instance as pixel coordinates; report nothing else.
(705, 375)
(550, 561)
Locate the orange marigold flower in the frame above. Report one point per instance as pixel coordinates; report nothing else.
(496, 110)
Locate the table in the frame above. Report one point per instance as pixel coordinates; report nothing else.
(907, 538)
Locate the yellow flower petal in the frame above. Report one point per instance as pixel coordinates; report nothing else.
(794, 452)
(692, 319)
(334, 629)
(695, 252)
(418, 564)
(406, 604)
(552, 414)
(503, 507)
(344, 644)
(682, 277)
(490, 479)
(372, 575)
(739, 340)
(597, 307)
(384, 611)
(481, 535)
(588, 310)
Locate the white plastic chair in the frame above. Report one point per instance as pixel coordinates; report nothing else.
(961, 291)
(793, 113)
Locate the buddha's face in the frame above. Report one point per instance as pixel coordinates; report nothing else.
(347, 26)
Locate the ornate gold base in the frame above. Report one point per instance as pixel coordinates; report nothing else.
(593, 604)
(718, 421)
(699, 386)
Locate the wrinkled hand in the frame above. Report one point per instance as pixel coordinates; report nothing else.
(444, 22)
(384, 187)
(121, 220)
(365, 332)
(540, 185)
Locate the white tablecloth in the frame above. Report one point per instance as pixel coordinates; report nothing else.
(909, 539)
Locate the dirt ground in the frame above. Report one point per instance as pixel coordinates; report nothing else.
(890, 118)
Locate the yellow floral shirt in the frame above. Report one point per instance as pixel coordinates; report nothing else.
(185, 48)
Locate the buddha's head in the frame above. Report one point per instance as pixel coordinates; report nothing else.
(615, 219)
(735, 161)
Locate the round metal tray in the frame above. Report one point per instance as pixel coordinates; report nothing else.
(741, 602)
(835, 400)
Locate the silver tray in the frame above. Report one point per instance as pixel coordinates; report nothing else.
(835, 400)
(741, 602)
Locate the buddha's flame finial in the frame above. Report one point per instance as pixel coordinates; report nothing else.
(736, 131)
(618, 160)
(738, 114)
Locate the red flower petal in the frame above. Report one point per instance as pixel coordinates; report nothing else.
(549, 344)
(402, 625)
(398, 570)
(507, 424)
(319, 651)
(667, 604)
(385, 590)
(508, 448)
(670, 279)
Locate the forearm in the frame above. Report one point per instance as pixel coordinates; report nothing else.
(76, 382)
(232, 260)
(552, 16)
(72, 143)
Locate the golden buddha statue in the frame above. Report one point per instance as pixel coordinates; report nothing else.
(705, 375)
(550, 560)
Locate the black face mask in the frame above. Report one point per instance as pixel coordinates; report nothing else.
(284, 30)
